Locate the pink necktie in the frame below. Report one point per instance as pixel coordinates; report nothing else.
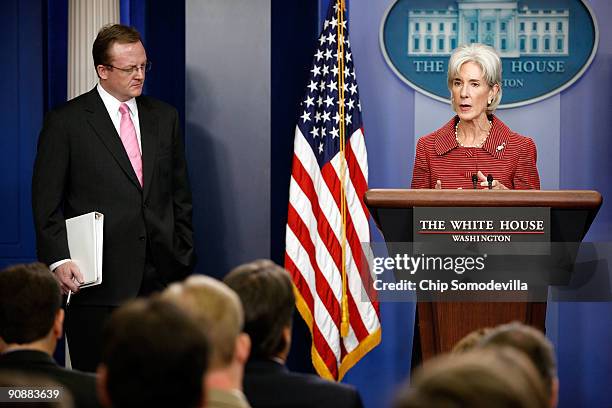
(127, 133)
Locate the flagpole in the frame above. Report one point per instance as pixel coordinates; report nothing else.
(344, 325)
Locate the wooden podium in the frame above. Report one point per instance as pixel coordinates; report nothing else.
(442, 324)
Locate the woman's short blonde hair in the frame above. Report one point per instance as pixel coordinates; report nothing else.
(493, 377)
(488, 60)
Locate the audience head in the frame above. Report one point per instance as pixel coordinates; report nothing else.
(266, 292)
(154, 354)
(217, 310)
(30, 307)
(535, 345)
(471, 340)
(481, 378)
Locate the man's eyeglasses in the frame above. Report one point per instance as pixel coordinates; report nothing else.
(145, 68)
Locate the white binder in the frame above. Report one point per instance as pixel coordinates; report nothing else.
(85, 234)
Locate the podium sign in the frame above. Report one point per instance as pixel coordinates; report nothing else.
(516, 231)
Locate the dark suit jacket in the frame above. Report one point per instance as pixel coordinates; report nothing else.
(270, 384)
(81, 385)
(81, 166)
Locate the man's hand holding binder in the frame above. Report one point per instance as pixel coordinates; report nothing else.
(69, 276)
(85, 236)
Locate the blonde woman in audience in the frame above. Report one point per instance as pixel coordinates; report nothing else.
(536, 347)
(495, 377)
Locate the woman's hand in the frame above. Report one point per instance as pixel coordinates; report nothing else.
(495, 184)
(438, 186)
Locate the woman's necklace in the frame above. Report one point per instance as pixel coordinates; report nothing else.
(477, 144)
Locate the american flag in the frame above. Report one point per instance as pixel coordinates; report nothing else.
(324, 218)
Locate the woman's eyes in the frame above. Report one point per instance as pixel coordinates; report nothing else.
(474, 84)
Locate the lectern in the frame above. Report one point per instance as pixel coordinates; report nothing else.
(442, 324)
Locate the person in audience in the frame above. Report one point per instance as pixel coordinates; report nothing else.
(31, 322)
(266, 292)
(471, 340)
(535, 345)
(494, 377)
(217, 310)
(154, 355)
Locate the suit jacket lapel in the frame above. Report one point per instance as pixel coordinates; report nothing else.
(149, 132)
(103, 126)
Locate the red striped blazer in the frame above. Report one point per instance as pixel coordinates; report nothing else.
(506, 155)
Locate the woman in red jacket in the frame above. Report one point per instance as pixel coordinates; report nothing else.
(475, 149)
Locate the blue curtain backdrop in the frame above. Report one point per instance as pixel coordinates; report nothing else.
(22, 100)
(582, 332)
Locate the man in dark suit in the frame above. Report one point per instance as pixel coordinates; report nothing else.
(266, 292)
(31, 321)
(114, 151)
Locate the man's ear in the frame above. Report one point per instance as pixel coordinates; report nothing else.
(554, 397)
(285, 342)
(101, 386)
(58, 324)
(287, 335)
(102, 71)
(243, 347)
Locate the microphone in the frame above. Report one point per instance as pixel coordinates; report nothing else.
(490, 181)
(474, 181)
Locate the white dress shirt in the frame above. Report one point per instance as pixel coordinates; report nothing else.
(112, 106)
